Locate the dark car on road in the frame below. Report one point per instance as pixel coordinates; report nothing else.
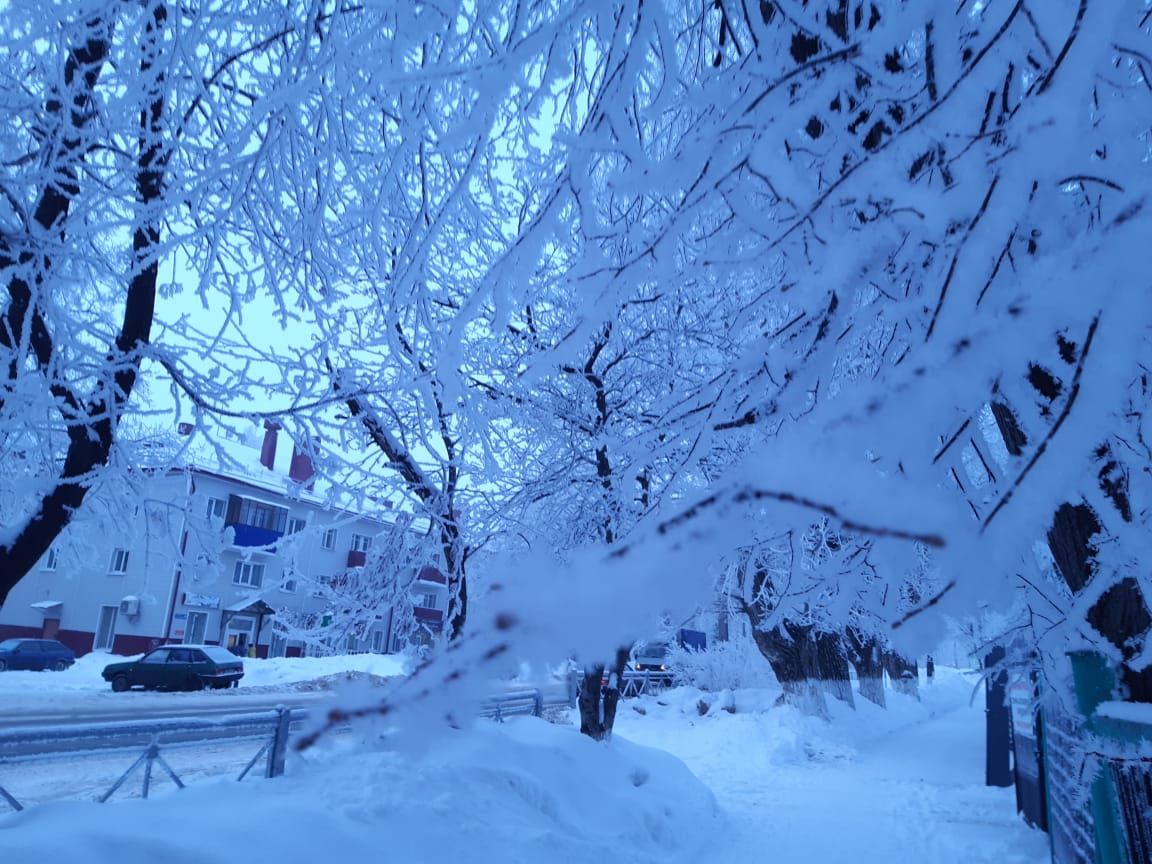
(35, 654)
(177, 667)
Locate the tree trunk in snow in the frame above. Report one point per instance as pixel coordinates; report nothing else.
(865, 655)
(598, 709)
(833, 666)
(791, 651)
(903, 673)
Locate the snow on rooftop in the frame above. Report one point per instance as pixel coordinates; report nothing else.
(236, 455)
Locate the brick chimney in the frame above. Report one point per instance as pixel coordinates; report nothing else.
(302, 470)
(268, 450)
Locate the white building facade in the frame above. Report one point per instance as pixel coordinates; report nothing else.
(195, 555)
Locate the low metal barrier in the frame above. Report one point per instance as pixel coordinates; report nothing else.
(641, 683)
(526, 701)
(270, 728)
(22, 744)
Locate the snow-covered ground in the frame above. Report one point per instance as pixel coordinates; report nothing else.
(763, 783)
(905, 784)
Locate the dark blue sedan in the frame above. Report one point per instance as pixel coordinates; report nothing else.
(35, 654)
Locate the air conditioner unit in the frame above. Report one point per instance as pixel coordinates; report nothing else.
(130, 606)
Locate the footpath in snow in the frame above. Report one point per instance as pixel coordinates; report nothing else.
(905, 784)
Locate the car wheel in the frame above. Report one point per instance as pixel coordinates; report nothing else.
(59, 666)
(120, 683)
(194, 683)
(3, 666)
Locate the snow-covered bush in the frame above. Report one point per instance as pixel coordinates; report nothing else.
(722, 666)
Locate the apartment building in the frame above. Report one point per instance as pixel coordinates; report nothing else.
(200, 554)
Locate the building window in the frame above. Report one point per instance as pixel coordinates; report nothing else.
(427, 600)
(255, 514)
(288, 586)
(248, 573)
(378, 641)
(215, 508)
(328, 541)
(51, 559)
(295, 526)
(119, 565)
(352, 644)
(361, 543)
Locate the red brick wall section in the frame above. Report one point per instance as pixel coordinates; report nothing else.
(80, 641)
(15, 631)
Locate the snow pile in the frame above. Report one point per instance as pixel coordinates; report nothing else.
(524, 791)
(280, 671)
(83, 675)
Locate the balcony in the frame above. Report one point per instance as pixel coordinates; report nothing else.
(255, 523)
(250, 535)
(433, 618)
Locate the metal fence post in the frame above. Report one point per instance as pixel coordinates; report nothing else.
(538, 704)
(998, 730)
(279, 748)
(151, 753)
(12, 802)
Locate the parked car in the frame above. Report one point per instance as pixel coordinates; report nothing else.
(177, 667)
(35, 654)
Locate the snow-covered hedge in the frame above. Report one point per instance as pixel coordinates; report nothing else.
(728, 665)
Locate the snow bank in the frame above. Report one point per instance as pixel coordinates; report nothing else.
(524, 791)
(281, 671)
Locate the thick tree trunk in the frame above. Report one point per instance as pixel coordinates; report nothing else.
(902, 673)
(791, 651)
(833, 666)
(865, 655)
(597, 701)
(92, 419)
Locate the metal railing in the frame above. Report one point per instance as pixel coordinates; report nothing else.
(640, 683)
(271, 728)
(147, 739)
(527, 701)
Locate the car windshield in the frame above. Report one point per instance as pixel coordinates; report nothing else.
(9, 644)
(219, 654)
(654, 649)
